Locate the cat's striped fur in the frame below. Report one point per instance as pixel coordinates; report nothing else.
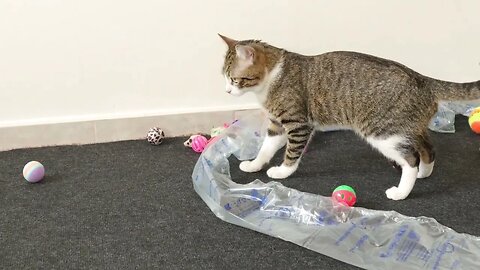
(386, 103)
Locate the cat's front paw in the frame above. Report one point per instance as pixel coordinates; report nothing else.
(280, 172)
(394, 193)
(250, 166)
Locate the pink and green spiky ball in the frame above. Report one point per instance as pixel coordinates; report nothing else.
(345, 195)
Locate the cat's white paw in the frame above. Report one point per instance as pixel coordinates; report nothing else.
(425, 170)
(394, 193)
(280, 172)
(250, 166)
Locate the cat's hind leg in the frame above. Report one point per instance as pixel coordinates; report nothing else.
(275, 139)
(427, 157)
(402, 151)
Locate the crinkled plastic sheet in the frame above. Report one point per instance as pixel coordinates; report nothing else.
(444, 119)
(366, 238)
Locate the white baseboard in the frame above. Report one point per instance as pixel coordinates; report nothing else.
(114, 129)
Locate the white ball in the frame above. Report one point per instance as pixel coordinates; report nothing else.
(33, 171)
(155, 136)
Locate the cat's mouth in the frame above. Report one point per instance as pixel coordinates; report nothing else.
(234, 91)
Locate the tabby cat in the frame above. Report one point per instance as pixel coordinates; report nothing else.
(386, 103)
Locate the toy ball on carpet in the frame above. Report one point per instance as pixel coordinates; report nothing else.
(188, 143)
(214, 132)
(198, 143)
(155, 136)
(345, 195)
(218, 130)
(33, 171)
(474, 120)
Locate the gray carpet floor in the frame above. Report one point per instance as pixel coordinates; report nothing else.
(130, 205)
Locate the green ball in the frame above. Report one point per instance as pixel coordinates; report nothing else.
(345, 187)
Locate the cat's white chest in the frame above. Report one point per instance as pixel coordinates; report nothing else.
(262, 91)
(262, 96)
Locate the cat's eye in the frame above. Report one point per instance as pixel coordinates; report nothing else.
(237, 81)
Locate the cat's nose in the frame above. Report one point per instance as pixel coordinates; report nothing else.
(229, 90)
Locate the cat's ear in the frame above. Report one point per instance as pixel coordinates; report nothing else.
(245, 52)
(230, 42)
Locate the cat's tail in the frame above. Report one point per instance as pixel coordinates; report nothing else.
(444, 90)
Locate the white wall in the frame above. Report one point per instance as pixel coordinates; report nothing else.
(67, 60)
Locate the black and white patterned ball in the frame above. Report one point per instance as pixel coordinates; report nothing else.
(155, 136)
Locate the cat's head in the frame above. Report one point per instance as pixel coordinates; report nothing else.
(244, 67)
